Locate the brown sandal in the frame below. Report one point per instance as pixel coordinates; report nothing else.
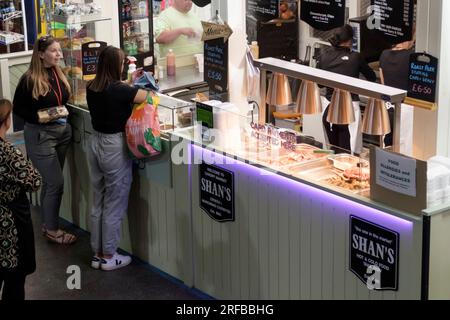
(61, 237)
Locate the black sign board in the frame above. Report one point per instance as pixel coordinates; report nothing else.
(393, 18)
(262, 10)
(217, 192)
(216, 65)
(323, 15)
(90, 52)
(423, 69)
(374, 254)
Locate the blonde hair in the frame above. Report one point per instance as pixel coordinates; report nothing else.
(5, 110)
(36, 76)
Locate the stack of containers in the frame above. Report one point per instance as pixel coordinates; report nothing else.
(438, 184)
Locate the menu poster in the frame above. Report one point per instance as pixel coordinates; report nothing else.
(323, 15)
(90, 52)
(217, 192)
(422, 77)
(263, 10)
(393, 18)
(216, 65)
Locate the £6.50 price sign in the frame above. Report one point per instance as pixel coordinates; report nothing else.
(422, 81)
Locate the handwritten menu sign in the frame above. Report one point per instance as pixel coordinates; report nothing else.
(323, 15)
(423, 70)
(90, 52)
(216, 65)
(393, 18)
(263, 10)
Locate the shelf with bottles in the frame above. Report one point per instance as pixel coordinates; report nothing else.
(133, 10)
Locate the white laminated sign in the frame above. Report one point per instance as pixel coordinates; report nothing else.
(396, 173)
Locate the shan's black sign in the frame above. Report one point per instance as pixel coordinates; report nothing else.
(423, 69)
(393, 18)
(323, 15)
(217, 192)
(374, 254)
(216, 66)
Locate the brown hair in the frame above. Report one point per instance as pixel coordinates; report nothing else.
(5, 110)
(36, 76)
(109, 68)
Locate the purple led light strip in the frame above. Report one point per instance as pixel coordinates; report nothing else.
(349, 206)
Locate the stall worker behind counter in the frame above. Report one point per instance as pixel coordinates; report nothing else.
(341, 59)
(179, 29)
(394, 71)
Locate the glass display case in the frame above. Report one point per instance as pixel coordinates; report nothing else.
(280, 150)
(73, 32)
(174, 113)
(13, 35)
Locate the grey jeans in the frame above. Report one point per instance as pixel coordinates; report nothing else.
(47, 146)
(111, 177)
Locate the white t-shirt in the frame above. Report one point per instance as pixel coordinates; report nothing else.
(171, 19)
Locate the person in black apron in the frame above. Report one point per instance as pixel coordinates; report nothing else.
(394, 71)
(341, 59)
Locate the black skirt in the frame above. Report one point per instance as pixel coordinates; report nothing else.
(26, 249)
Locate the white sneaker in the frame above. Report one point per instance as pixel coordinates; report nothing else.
(95, 262)
(117, 261)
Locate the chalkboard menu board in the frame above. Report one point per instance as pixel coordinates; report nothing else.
(263, 10)
(323, 15)
(393, 18)
(90, 52)
(217, 192)
(216, 65)
(423, 70)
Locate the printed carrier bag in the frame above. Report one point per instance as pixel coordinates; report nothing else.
(142, 130)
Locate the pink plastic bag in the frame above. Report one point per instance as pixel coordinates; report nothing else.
(142, 130)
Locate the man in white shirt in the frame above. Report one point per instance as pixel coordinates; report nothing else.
(179, 29)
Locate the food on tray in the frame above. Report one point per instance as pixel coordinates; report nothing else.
(357, 173)
(351, 184)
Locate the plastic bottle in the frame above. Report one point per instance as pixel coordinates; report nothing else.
(217, 19)
(142, 8)
(11, 7)
(254, 49)
(171, 65)
(131, 68)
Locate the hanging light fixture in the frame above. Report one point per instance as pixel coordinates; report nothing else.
(341, 109)
(279, 92)
(308, 98)
(376, 118)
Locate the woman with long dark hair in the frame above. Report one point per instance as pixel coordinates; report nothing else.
(110, 103)
(44, 86)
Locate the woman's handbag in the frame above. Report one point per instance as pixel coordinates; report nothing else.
(143, 131)
(52, 114)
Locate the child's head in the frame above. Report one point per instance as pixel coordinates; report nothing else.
(5, 112)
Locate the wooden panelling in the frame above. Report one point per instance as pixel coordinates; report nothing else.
(290, 242)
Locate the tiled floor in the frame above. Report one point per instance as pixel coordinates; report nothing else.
(134, 282)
